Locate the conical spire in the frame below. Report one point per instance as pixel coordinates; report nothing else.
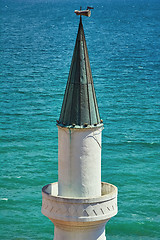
(79, 106)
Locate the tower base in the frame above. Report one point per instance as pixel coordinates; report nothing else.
(87, 231)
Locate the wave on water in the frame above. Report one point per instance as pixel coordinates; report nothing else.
(10, 177)
(3, 199)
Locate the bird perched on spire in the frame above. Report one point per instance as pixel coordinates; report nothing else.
(86, 12)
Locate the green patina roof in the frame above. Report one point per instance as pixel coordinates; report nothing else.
(79, 104)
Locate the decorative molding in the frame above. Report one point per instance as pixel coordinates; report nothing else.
(79, 210)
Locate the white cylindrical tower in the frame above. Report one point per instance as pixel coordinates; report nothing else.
(79, 204)
(79, 153)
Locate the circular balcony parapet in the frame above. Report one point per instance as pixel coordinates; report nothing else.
(79, 209)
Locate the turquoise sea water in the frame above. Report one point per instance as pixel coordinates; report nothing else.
(36, 42)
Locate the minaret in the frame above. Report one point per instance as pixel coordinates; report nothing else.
(80, 204)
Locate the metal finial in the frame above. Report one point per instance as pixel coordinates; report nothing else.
(80, 19)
